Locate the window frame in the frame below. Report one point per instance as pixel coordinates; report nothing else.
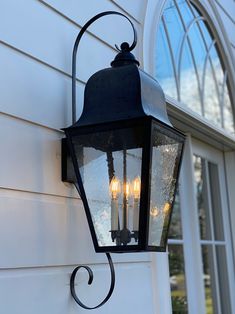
(201, 130)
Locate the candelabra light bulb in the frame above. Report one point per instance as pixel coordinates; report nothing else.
(115, 187)
(127, 189)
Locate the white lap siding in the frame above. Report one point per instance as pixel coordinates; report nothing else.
(43, 230)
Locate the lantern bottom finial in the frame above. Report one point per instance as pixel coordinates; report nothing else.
(124, 236)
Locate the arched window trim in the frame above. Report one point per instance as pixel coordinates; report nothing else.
(184, 118)
(215, 25)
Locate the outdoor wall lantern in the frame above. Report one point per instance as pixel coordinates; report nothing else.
(123, 155)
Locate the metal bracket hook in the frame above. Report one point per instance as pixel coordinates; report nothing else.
(90, 280)
(75, 48)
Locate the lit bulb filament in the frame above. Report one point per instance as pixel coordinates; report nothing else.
(127, 190)
(115, 187)
(136, 187)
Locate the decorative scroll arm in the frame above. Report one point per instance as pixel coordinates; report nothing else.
(75, 48)
(90, 280)
(81, 191)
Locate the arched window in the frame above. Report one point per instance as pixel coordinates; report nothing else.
(188, 64)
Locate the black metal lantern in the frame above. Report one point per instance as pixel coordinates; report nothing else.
(126, 157)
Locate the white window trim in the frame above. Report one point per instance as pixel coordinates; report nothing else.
(188, 121)
(213, 156)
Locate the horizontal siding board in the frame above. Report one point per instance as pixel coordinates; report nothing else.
(43, 226)
(47, 291)
(40, 230)
(35, 232)
(134, 7)
(47, 102)
(79, 12)
(30, 158)
(35, 92)
(50, 38)
(46, 35)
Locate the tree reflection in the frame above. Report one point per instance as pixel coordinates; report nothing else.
(177, 280)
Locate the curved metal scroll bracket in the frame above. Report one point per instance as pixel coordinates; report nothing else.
(90, 280)
(75, 48)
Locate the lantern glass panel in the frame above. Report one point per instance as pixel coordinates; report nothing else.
(110, 167)
(166, 152)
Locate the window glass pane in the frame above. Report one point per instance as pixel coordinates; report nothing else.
(189, 88)
(185, 11)
(209, 279)
(172, 21)
(202, 197)
(216, 202)
(177, 279)
(228, 113)
(223, 279)
(164, 68)
(211, 97)
(175, 231)
(205, 33)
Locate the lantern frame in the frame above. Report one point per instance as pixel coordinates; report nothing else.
(146, 165)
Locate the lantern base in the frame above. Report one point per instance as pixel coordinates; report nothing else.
(124, 236)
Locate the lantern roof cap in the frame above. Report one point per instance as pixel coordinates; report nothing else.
(124, 56)
(122, 92)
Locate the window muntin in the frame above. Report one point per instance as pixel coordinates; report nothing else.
(213, 245)
(188, 65)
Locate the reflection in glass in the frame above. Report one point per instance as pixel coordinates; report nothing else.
(177, 280)
(188, 65)
(202, 197)
(165, 67)
(209, 279)
(211, 96)
(223, 279)
(216, 201)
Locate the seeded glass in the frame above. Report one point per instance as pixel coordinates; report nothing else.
(175, 230)
(188, 65)
(165, 161)
(110, 177)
